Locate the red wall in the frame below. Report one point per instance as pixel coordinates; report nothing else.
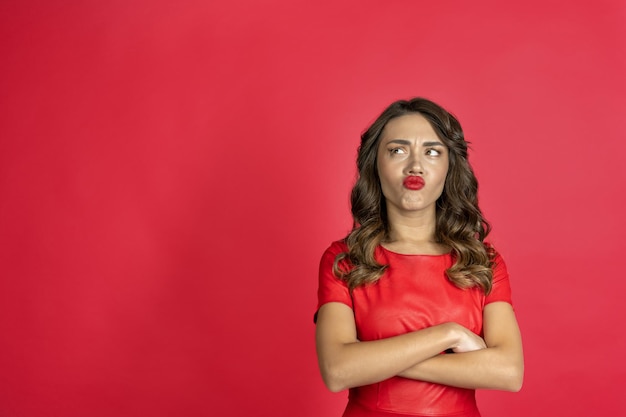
(170, 173)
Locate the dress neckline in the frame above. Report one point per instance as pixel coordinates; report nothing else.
(414, 254)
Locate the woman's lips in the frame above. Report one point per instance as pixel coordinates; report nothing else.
(414, 183)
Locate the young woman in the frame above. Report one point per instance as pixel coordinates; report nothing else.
(414, 308)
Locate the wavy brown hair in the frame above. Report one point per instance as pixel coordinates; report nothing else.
(459, 221)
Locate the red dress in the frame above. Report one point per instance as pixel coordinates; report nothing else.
(413, 294)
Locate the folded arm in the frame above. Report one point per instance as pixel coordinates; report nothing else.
(499, 366)
(345, 362)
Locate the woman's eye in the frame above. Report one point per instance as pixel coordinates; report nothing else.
(433, 152)
(397, 151)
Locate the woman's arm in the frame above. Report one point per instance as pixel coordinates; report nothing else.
(345, 362)
(499, 366)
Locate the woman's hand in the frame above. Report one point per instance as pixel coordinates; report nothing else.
(468, 341)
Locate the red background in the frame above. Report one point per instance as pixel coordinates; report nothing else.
(170, 173)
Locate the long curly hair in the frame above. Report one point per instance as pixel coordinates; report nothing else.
(459, 221)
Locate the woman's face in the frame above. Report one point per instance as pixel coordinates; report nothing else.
(412, 165)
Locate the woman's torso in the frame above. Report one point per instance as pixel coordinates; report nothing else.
(413, 294)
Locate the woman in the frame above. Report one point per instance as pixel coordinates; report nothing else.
(414, 306)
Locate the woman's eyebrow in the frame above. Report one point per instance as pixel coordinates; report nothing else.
(433, 144)
(400, 141)
(408, 142)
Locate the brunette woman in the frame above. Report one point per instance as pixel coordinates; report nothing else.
(414, 308)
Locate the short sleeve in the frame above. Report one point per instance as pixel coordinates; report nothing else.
(331, 288)
(501, 287)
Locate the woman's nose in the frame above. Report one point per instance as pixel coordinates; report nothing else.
(414, 165)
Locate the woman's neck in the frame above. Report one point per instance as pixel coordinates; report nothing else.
(413, 234)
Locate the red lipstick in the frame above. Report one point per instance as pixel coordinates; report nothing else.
(414, 183)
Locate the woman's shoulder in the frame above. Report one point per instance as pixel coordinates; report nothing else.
(498, 265)
(337, 247)
(330, 254)
(493, 253)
